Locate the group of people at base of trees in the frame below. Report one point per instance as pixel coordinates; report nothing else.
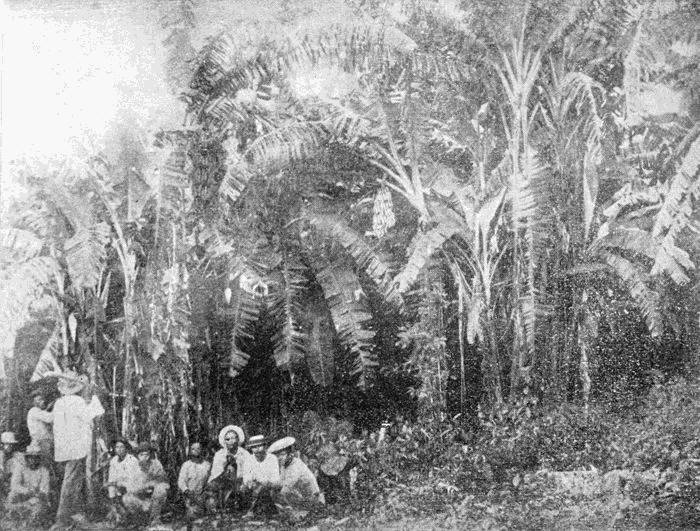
(256, 480)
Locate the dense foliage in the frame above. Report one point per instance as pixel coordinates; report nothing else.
(427, 209)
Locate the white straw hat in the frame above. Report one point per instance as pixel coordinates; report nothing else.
(281, 444)
(231, 427)
(8, 437)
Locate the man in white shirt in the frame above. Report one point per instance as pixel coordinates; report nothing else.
(147, 493)
(72, 431)
(192, 481)
(299, 493)
(262, 481)
(39, 423)
(123, 469)
(230, 465)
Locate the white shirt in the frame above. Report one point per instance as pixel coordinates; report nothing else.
(123, 473)
(39, 424)
(243, 461)
(193, 476)
(265, 473)
(72, 426)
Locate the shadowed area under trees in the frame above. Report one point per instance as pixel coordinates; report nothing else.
(475, 220)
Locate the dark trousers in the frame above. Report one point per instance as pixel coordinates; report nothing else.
(72, 498)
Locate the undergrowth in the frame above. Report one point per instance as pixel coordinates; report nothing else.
(502, 472)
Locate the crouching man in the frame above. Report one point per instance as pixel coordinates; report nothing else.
(123, 470)
(192, 482)
(299, 492)
(228, 468)
(28, 499)
(149, 489)
(262, 482)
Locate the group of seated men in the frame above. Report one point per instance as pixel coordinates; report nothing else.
(270, 480)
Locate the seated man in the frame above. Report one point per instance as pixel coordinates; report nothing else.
(230, 464)
(263, 479)
(147, 492)
(9, 458)
(299, 490)
(192, 482)
(29, 488)
(123, 469)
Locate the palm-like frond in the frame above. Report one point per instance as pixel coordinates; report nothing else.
(675, 215)
(630, 196)
(423, 245)
(228, 62)
(364, 256)
(18, 245)
(242, 312)
(85, 255)
(630, 239)
(343, 295)
(24, 275)
(646, 298)
(319, 354)
(290, 341)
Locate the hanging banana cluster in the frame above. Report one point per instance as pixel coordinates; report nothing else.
(382, 213)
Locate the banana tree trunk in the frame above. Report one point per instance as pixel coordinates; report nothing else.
(491, 365)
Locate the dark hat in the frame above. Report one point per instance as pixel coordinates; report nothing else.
(144, 447)
(122, 440)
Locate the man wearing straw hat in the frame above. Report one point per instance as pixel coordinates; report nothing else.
(72, 430)
(299, 491)
(262, 482)
(29, 489)
(230, 464)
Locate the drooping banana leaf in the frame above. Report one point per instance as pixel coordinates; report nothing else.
(364, 256)
(289, 340)
(320, 355)
(243, 311)
(85, 254)
(344, 297)
(422, 247)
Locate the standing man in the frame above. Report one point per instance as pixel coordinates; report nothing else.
(192, 482)
(39, 423)
(72, 430)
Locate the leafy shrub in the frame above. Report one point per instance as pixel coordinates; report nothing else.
(667, 439)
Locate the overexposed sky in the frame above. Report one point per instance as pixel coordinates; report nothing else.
(70, 67)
